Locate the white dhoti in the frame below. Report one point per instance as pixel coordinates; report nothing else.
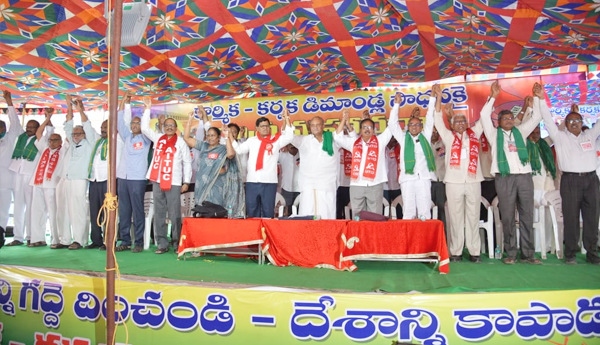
(537, 197)
(44, 204)
(71, 197)
(416, 199)
(318, 203)
(22, 207)
(6, 195)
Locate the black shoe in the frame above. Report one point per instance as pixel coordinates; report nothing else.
(455, 258)
(92, 246)
(570, 261)
(476, 259)
(594, 261)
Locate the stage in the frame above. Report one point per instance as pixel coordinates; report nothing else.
(380, 302)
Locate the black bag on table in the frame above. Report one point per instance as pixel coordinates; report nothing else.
(209, 210)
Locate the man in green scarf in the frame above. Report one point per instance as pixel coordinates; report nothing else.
(23, 165)
(417, 162)
(320, 159)
(510, 164)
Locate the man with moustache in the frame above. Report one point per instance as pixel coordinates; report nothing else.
(263, 154)
(463, 180)
(170, 173)
(98, 176)
(576, 158)
(417, 162)
(131, 178)
(319, 155)
(7, 144)
(510, 163)
(23, 166)
(44, 182)
(368, 173)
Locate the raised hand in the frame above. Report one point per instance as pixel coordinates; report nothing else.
(365, 114)
(538, 91)
(147, 102)
(398, 98)
(7, 97)
(416, 112)
(48, 112)
(495, 89)
(436, 91)
(528, 102)
(575, 108)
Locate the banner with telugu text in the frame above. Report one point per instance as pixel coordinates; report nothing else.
(40, 307)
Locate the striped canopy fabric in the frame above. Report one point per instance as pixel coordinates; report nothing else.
(205, 50)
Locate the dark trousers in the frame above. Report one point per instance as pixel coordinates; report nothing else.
(166, 201)
(438, 196)
(260, 199)
(390, 195)
(488, 191)
(342, 200)
(289, 198)
(580, 194)
(516, 190)
(97, 191)
(131, 202)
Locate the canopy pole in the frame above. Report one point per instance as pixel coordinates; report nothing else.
(113, 86)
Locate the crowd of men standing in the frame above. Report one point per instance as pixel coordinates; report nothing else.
(426, 162)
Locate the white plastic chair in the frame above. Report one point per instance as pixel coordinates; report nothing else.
(386, 208)
(488, 228)
(149, 212)
(281, 201)
(296, 205)
(553, 201)
(498, 223)
(348, 211)
(398, 201)
(187, 204)
(539, 227)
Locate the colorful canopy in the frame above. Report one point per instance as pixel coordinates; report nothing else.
(198, 51)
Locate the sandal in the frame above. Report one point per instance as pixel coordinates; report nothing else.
(122, 248)
(37, 244)
(161, 250)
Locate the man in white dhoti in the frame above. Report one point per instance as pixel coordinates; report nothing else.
(320, 159)
(7, 144)
(44, 181)
(23, 166)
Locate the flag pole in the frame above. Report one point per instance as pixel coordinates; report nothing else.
(113, 86)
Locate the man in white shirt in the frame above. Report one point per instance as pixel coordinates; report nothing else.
(368, 173)
(7, 144)
(47, 174)
(289, 160)
(463, 180)
(23, 165)
(510, 164)
(263, 154)
(320, 159)
(417, 162)
(72, 188)
(579, 186)
(170, 173)
(98, 175)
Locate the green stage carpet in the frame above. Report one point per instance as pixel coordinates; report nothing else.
(392, 277)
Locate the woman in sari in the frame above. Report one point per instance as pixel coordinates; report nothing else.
(218, 179)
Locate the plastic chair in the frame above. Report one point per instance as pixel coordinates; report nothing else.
(488, 227)
(281, 201)
(187, 204)
(348, 211)
(398, 201)
(386, 208)
(296, 205)
(553, 201)
(149, 212)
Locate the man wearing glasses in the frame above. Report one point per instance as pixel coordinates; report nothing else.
(514, 184)
(576, 156)
(131, 178)
(263, 154)
(7, 145)
(44, 182)
(463, 179)
(71, 190)
(417, 161)
(23, 166)
(368, 172)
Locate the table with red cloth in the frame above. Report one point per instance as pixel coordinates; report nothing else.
(324, 243)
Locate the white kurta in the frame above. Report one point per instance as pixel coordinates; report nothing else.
(318, 177)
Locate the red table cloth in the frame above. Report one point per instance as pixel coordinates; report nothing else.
(199, 234)
(396, 239)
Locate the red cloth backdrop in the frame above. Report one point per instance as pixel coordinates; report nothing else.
(199, 234)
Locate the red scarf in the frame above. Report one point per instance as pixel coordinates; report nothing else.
(347, 161)
(371, 161)
(485, 146)
(473, 152)
(266, 144)
(50, 161)
(162, 162)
